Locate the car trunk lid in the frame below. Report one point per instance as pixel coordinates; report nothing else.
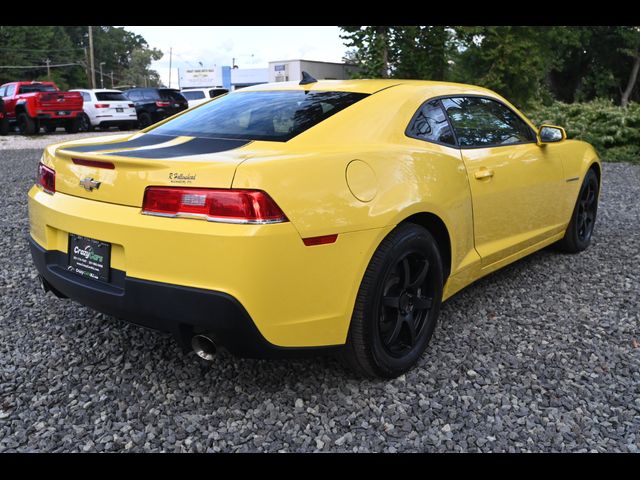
(118, 171)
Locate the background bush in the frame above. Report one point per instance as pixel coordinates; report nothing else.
(612, 130)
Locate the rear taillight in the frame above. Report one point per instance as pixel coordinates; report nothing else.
(101, 105)
(47, 178)
(162, 104)
(216, 205)
(131, 105)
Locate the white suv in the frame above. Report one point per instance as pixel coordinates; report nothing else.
(107, 108)
(196, 96)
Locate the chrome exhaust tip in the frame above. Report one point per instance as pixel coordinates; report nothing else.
(204, 347)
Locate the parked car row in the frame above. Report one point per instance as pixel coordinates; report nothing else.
(32, 106)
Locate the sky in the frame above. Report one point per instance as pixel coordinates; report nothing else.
(252, 47)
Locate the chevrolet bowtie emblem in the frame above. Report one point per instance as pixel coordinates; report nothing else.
(89, 184)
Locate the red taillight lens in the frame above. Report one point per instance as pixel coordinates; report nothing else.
(163, 104)
(101, 105)
(218, 205)
(131, 105)
(46, 178)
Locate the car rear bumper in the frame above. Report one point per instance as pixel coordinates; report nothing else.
(294, 296)
(182, 311)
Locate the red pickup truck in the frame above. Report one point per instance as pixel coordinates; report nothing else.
(4, 123)
(41, 104)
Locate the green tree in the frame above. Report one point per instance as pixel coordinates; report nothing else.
(122, 52)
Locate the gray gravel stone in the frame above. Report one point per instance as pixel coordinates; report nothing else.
(540, 356)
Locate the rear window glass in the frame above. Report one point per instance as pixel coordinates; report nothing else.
(37, 88)
(193, 95)
(276, 116)
(111, 96)
(171, 95)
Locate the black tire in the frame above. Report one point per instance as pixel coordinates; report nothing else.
(578, 234)
(50, 128)
(85, 123)
(144, 120)
(397, 306)
(26, 124)
(73, 125)
(4, 126)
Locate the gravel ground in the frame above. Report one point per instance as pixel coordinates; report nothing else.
(541, 356)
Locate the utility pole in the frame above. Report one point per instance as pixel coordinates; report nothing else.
(48, 62)
(170, 58)
(86, 65)
(111, 79)
(101, 79)
(93, 72)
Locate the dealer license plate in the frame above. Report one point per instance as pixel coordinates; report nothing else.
(89, 258)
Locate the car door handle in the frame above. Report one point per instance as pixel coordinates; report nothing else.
(483, 173)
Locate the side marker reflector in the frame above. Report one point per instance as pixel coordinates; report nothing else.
(323, 240)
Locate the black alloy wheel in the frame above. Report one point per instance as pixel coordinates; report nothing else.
(144, 120)
(580, 230)
(405, 305)
(397, 306)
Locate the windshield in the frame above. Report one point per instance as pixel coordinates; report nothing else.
(267, 115)
(37, 88)
(111, 96)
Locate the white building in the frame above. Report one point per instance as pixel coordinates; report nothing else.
(291, 70)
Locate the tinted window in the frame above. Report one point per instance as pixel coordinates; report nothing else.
(171, 95)
(193, 95)
(110, 96)
(134, 95)
(277, 116)
(430, 124)
(150, 94)
(37, 88)
(482, 122)
(217, 92)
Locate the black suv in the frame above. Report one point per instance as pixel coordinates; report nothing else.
(155, 104)
(4, 121)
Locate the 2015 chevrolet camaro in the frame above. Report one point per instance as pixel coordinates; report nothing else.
(329, 216)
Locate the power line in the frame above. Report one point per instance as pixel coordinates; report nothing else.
(40, 66)
(41, 49)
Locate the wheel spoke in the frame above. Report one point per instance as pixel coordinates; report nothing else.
(423, 303)
(395, 332)
(410, 322)
(391, 302)
(406, 272)
(421, 276)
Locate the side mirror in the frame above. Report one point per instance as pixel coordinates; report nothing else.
(551, 134)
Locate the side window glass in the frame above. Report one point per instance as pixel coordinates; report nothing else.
(2, 91)
(11, 89)
(481, 122)
(430, 124)
(86, 97)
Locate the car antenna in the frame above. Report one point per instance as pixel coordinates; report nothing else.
(307, 79)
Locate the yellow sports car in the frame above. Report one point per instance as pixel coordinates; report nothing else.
(324, 216)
